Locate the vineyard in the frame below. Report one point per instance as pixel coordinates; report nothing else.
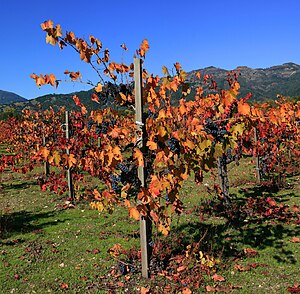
(212, 181)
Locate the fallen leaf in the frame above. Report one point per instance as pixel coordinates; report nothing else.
(181, 268)
(210, 289)
(64, 285)
(218, 278)
(186, 290)
(145, 290)
(295, 240)
(250, 252)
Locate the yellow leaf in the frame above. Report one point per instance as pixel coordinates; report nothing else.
(237, 130)
(205, 144)
(182, 75)
(165, 70)
(50, 40)
(162, 131)
(98, 88)
(56, 157)
(164, 229)
(189, 144)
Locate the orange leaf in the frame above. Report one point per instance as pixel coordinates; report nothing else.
(186, 290)
(177, 66)
(70, 160)
(138, 155)
(134, 213)
(47, 25)
(97, 194)
(152, 145)
(44, 152)
(145, 290)
(144, 47)
(244, 108)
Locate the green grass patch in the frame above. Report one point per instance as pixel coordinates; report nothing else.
(45, 248)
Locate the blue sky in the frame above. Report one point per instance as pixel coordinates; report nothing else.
(197, 34)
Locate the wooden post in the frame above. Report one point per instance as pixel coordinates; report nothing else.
(46, 163)
(257, 168)
(98, 139)
(145, 222)
(223, 178)
(69, 173)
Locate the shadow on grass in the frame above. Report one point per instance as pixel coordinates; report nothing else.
(227, 231)
(229, 240)
(267, 191)
(25, 222)
(18, 186)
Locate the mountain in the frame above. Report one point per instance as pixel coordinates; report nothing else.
(9, 97)
(263, 83)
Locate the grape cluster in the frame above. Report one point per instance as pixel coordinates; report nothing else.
(115, 180)
(128, 175)
(151, 114)
(124, 268)
(122, 167)
(112, 90)
(174, 145)
(216, 131)
(104, 127)
(89, 124)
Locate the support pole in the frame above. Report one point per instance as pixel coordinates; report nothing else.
(257, 163)
(145, 222)
(46, 163)
(69, 173)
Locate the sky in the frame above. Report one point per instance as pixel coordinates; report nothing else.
(197, 34)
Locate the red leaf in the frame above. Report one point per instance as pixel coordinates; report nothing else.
(77, 101)
(181, 268)
(210, 289)
(271, 201)
(218, 278)
(293, 289)
(64, 285)
(250, 252)
(241, 269)
(95, 98)
(295, 240)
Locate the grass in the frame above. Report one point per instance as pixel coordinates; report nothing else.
(48, 249)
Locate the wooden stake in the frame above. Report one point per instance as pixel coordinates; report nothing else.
(145, 222)
(46, 163)
(257, 163)
(69, 173)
